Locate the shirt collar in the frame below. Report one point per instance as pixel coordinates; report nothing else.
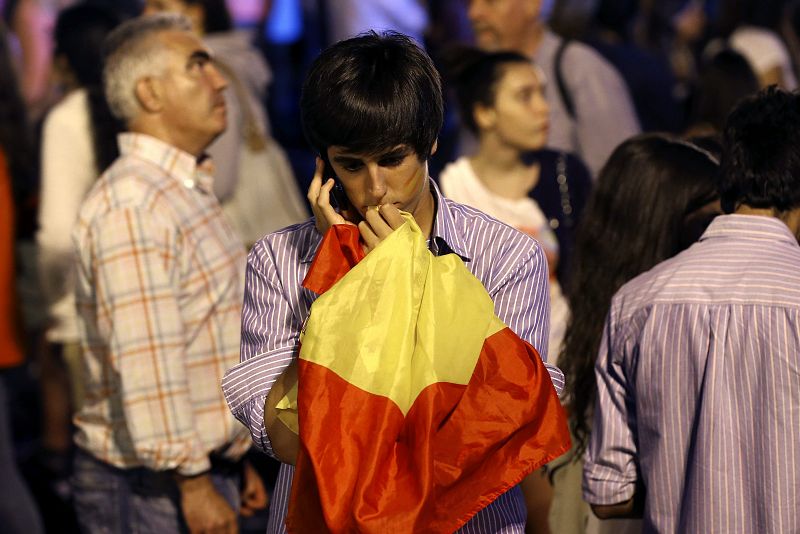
(175, 162)
(755, 227)
(445, 239)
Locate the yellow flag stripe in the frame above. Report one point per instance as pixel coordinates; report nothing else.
(401, 320)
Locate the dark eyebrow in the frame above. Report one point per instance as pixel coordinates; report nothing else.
(198, 55)
(344, 159)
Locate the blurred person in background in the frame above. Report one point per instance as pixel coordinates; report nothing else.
(252, 178)
(18, 512)
(78, 143)
(348, 18)
(511, 177)
(647, 72)
(590, 109)
(752, 28)
(724, 79)
(159, 291)
(654, 198)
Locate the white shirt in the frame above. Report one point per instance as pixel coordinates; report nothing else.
(68, 172)
(460, 183)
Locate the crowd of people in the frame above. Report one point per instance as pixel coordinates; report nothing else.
(621, 177)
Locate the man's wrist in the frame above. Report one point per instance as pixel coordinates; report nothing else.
(192, 483)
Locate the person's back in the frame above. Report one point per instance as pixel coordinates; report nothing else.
(697, 390)
(709, 340)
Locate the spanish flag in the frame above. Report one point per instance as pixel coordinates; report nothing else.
(416, 405)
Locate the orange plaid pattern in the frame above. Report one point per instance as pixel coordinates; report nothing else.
(159, 295)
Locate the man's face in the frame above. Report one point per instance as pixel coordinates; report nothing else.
(396, 176)
(502, 24)
(192, 92)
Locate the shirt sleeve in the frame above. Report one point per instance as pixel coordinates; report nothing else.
(603, 106)
(270, 337)
(610, 469)
(522, 302)
(135, 264)
(67, 174)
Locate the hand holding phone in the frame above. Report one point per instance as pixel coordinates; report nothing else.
(322, 198)
(339, 198)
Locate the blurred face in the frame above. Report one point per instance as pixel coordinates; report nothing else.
(503, 24)
(520, 113)
(193, 12)
(192, 93)
(396, 176)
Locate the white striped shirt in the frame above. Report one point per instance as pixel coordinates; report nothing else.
(511, 266)
(698, 381)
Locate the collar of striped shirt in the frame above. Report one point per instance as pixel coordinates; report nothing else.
(178, 164)
(444, 238)
(757, 227)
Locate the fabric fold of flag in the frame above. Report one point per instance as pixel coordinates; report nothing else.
(416, 405)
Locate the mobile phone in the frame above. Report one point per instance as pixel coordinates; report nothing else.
(338, 197)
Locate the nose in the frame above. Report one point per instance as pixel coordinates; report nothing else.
(376, 183)
(540, 104)
(218, 81)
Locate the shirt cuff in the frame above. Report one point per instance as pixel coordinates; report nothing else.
(606, 486)
(246, 386)
(556, 376)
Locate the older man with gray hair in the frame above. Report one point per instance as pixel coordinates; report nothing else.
(160, 280)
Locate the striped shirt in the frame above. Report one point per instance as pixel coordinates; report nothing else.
(510, 265)
(159, 292)
(698, 379)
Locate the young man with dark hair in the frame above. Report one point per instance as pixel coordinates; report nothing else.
(372, 108)
(697, 372)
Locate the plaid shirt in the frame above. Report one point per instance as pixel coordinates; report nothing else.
(159, 294)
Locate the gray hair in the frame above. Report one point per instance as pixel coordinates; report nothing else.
(132, 53)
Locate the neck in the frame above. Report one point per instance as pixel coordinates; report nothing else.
(503, 171)
(790, 218)
(496, 155)
(531, 40)
(160, 131)
(425, 213)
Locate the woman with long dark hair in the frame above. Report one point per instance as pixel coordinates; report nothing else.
(654, 197)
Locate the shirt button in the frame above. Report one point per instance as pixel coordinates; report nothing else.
(554, 223)
(188, 183)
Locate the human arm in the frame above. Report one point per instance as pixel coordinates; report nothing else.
(633, 508)
(285, 442)
(134, 258)
(254, 494)
(67, 173)
(521, 296)
(204, 509)
(33, 23)
(610, 475)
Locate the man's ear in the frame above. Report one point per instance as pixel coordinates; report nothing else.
(149, 93)
(485, 117)
(435, 146)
